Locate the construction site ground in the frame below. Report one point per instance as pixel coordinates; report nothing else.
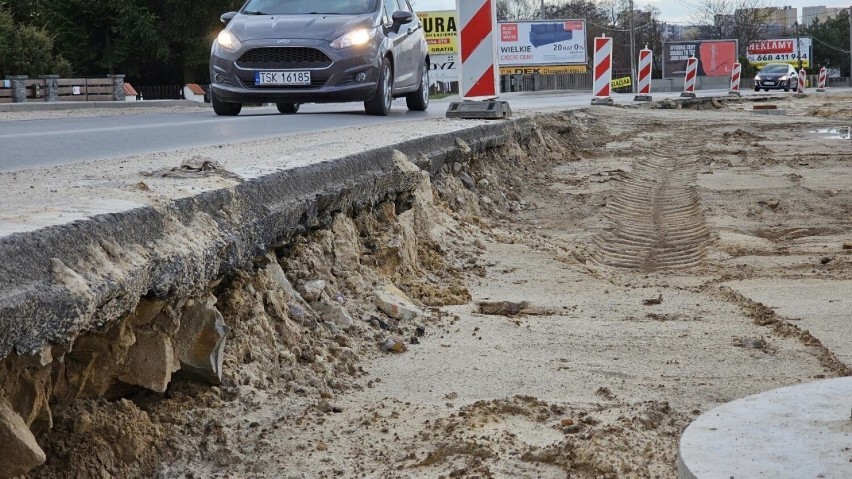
(647, 264)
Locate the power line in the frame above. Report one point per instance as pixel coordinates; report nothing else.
(829, 46)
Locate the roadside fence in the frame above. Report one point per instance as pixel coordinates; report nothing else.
(51, 88)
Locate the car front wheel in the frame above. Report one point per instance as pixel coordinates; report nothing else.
(225, 109)
(287, 108)
(380, 104)
(419, 100)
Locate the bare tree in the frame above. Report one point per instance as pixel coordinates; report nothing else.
(743, 20)
(517, 9)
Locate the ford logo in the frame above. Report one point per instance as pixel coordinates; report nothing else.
(282, 41)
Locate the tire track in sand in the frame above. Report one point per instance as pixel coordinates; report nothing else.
(655, 219)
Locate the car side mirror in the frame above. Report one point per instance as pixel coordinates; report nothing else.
(227, 17)
(401, 17)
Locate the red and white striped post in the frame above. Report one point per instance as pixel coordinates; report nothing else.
(478, 74)
(823, 74)
(689, 78)
(602, 83)
(644, 83)
(479, 78)
(803, 76)
(735, 79)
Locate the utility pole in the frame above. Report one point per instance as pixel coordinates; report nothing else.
(541, 12)
(632, 51)
(850, 45)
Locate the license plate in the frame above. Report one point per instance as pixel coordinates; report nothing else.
(769, 82)
(282, 78)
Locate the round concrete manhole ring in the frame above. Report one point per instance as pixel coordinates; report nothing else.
(793, 432)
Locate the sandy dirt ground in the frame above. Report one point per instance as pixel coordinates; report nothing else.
(671, 260)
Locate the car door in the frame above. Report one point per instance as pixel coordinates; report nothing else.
(409, 48)
(395, 40)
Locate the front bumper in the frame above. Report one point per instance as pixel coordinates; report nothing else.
(773, 84)
(330, 84)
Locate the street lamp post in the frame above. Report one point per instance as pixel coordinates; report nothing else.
(798, 45)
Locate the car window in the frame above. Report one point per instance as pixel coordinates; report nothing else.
(404, 6)
(390, 7)
(293, 7)
(775, 68)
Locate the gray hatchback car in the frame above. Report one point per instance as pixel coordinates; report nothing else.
(290, 52)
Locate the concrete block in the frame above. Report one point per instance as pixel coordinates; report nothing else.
(150, 362)
(396, 304)
(335, 313)
(479, 110)
(200, 341)
(20, 451)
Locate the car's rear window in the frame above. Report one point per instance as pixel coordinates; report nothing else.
(775, 69)
(294, 7)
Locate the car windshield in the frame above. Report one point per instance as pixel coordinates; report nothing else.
(774, 69)
(291, 7)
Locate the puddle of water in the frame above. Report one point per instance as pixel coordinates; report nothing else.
(842, 133)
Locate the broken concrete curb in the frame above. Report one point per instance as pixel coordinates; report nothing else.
(63, 280)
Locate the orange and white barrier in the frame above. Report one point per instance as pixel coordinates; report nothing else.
(803, 75)
(601, 87)
(478, 75)
(643, 93)
(823, 76)
(736, 72)
(690, 77)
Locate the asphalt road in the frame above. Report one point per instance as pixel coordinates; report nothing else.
(26, 144)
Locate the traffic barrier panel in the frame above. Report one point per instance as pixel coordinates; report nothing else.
(823, 74)
(689, 78)
(601, 86)
(478, 74)
(644, 83)
(735, 79)
(803, 75)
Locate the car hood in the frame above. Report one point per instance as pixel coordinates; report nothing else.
(306, 27)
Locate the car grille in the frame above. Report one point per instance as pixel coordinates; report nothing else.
(284, 58)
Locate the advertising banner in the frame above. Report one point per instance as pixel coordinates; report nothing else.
(542, 70)
(440, 31)
(716, 58)
(780, 50)
(556, 42)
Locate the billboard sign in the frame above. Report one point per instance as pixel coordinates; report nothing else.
(780, 50)
(440, 31)
(443, 68)
(716, 58)
(552, 42)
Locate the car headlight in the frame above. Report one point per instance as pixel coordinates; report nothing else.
(228, 41)
(783, 78)
(354, 38)
(757, 78)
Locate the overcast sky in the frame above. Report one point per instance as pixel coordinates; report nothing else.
(675, 11)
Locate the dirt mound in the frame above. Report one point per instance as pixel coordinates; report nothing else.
(100, 439)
